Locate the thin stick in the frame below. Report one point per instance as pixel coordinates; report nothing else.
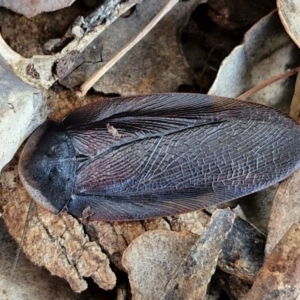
(100, 72)
(260, 86)
(20, 246)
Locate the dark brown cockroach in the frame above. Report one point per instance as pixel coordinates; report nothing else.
(157, 155)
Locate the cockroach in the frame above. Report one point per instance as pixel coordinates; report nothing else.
(150, 156)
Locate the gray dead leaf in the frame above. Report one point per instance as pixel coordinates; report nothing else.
(289, 11)
(156, 64)
(266, 51)
(157, 261)
(21, 112)
(30, 8)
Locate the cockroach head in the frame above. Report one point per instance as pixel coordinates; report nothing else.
(47, 166)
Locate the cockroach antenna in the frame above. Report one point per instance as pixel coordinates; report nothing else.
(16, 259)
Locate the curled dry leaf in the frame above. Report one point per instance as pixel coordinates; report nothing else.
(114, 237)
(279, 276)
(30, 8)
(289, 11)
(157, 261)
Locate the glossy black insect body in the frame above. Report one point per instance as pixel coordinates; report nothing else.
(148, 156)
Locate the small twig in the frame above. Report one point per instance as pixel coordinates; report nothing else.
(260, 86)
(100, 72)
(295, 104)
(20, 246)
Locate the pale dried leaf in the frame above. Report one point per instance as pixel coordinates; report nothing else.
(115, 237)
(194, 272)
(30, 8)
(21, 112)
(152, 258)
(157, 261)
(289, 11)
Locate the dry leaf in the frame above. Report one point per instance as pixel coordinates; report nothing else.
(285, 211)
(152, 258)
(154, 65)
(289, 11)
(243, 251)
(267, 50)
(159, 261)
(42, 71)
(26, 274)
(59, 243)
(279, 276)
(21, 112)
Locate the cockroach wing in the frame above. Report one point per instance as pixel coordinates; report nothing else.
(159, 155)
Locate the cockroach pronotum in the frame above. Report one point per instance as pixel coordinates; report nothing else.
(150, 156)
